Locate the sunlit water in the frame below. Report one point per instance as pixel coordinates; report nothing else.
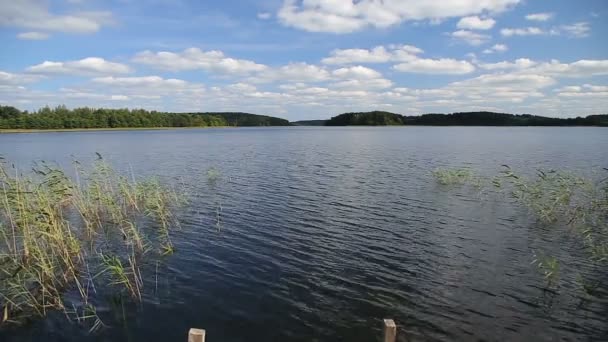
(325, 231)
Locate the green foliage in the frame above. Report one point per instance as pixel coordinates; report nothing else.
(63, 118)
(378, 118)
(453, 176)
(550, 268)
(54, 229)
(573, 207)
(375, 118)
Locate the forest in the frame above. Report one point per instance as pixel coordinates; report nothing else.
(82, 118)
(381, 118)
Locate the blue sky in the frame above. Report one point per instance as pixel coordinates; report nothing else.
(307, 59)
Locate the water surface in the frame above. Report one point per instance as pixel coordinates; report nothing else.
(325, 231)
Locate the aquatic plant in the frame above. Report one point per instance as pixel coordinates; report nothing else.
(54, 229)
(572, 206)
(457, 176)
(213, 175)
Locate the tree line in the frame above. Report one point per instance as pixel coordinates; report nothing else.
(381, 118)
(63, 118)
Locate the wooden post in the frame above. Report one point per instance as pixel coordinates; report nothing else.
(196, 335)
(390, 330)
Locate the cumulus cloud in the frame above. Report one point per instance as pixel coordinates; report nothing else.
(406, 56)
(35, 15)
(518, 64)
(584, 91)
(545, 16)
(264, 15)
(496, 48)
(293, 72)
(357, 72)
(378, 54)
(470, 37)
(33, 35)
(580, 68)
(345, 16)
(446, 66)
(526, 31)
(194, 58)
(475, 23)
(86, 66)
(7, 78)
(576, 30)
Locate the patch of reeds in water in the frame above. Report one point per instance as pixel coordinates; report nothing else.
(60, 233)
(575, 207)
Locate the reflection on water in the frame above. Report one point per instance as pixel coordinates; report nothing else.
(316, 234)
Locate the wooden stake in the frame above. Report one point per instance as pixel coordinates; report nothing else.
(196, 335)
(390, 330)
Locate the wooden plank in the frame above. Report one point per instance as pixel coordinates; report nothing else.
(196, 335)
(390, 330)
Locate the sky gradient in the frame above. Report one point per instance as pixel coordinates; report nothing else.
(309, 59)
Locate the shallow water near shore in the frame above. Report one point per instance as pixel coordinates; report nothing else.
(316, 234)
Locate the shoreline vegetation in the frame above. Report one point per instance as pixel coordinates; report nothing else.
(380, 118)
(67, 242)
(62, 119)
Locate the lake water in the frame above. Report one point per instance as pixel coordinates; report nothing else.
(325, 231)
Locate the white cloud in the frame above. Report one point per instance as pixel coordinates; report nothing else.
(554, 68)
(35, 15)
(526, 31)
(33, 35)
(595, 88)
(378, 54)
(446, 66)
(86, 66)
(194, 58)
(475, 23)
(540, 16)
(377, 83)
(470, 37)
(581, 68)
(584, 91)
(405, 55)
(264, 15)
(140, 81)
(292, 72)
(518, 64)
(513, 81)
(577, 30)
(7, 78)
(496, 48)
(356, 72)
(345, 16)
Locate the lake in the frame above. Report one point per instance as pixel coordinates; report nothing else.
(317, 233)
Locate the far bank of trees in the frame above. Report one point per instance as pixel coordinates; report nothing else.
(64, 118)
(380, 118)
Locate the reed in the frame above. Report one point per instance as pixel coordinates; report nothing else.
(54, 229)
(574, 208)
(458, 176)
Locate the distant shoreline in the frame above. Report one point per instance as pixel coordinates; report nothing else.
(69, 130)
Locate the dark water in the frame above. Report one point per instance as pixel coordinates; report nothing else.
(325, 231)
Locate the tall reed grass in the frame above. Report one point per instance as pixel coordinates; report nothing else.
(60, 233)
(573, 206)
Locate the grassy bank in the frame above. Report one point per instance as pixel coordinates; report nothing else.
(59, 233)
